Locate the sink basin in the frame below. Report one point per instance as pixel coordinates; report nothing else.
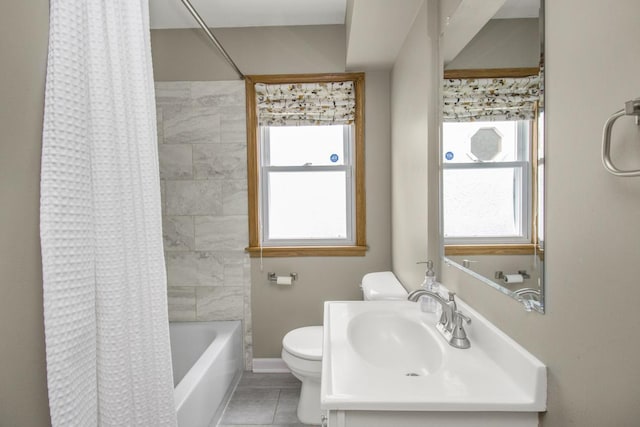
(395, 343)
(388, 356)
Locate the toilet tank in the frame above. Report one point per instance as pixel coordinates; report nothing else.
(382, 285)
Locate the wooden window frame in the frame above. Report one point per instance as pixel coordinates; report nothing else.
(255, 248)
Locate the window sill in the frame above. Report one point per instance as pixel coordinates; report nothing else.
(296, 251)
(526, 249)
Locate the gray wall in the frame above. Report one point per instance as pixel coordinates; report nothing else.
(186, 55)
(189, 55)
(588, 337)
(414, 122)
(592, 224)
(501, 43)
(23, 45)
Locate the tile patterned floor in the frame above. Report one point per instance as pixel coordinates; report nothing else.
(262, 400)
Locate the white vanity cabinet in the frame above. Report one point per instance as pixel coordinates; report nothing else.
(346, 418)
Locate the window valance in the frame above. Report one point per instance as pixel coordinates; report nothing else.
(490, 99)
(303, 104)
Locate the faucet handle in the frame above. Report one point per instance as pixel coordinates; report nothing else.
(459, 337)
(452, 296)
(459, 315)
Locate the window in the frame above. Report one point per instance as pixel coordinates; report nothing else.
(489, 181)
(486, 182)
(306, 165)
(307, 191)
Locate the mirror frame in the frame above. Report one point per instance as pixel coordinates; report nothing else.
(541, 128)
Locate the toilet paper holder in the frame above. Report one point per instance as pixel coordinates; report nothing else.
(499, 275)
(273, 277)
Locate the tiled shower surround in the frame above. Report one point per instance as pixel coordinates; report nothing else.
(202, 150)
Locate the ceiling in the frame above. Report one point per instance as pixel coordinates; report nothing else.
(247, 13)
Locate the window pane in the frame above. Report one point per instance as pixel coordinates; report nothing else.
(307, 205)
(481, 202)
(470, 142)
(300, 145)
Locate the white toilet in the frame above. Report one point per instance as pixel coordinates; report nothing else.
(302, 347)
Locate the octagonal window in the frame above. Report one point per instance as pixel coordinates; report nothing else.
(486, 144)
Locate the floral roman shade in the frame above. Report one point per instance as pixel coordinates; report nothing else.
(490, 99)
(304, 104)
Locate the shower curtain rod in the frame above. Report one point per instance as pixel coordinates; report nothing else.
(209, 34)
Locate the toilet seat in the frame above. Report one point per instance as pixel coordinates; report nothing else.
(305, 343)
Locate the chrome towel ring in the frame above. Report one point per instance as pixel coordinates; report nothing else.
(631, 108)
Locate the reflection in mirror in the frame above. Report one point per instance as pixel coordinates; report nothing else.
(492, 180)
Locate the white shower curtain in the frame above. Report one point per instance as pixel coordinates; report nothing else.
(105, 308)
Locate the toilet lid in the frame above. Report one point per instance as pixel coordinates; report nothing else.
(382, 285)
(305, 343)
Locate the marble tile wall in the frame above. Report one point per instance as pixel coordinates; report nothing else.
(202, 151)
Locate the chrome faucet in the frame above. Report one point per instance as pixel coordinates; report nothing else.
(445, 318)
(450, 323)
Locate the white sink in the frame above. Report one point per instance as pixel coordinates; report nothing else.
(388, 356)
(395, 342)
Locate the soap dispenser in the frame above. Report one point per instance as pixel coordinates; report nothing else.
(428, 304)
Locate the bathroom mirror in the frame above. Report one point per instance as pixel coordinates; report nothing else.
(492, 144)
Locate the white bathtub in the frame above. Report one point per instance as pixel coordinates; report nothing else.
(207, 364)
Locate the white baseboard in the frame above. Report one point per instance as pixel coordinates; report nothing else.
(266, 365)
